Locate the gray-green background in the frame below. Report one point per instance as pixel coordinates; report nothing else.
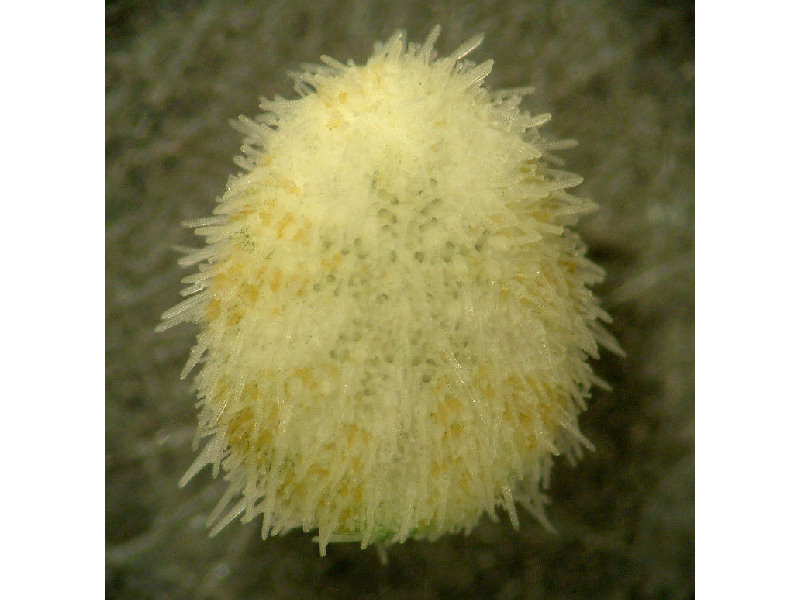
(618, 77)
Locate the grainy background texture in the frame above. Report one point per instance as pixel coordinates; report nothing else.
(617, 76)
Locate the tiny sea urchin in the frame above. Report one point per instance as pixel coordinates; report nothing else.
(395, 318)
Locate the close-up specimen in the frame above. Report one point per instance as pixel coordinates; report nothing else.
(396, 317)
(399, 299)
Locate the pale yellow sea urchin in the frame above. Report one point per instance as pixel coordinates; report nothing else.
(395, 319)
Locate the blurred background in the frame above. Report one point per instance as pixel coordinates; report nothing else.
(618, 77)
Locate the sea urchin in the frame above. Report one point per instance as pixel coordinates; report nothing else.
(395, 318)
